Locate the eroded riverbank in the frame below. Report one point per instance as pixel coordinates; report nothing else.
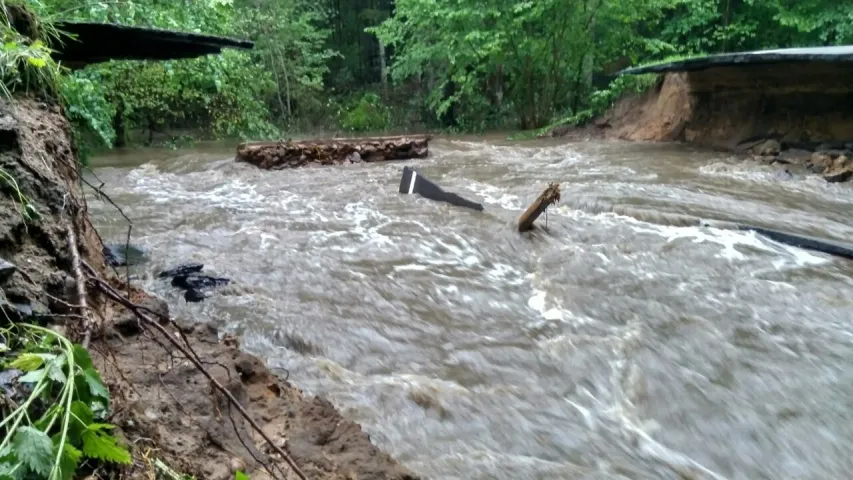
(609, 346)
(167, 413)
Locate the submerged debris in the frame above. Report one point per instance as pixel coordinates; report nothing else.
(197, 287)
(186, 269)
(120, 255)
(413, 182)
(550, 196)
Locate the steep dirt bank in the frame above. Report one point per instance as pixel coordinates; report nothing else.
(165, 408)
(801, 108)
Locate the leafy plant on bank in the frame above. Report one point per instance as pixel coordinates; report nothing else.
(25, 208)
(60, 422)
(366, 113)
(25, 62)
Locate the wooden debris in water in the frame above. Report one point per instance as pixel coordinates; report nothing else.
(336, 151)
(550, 196)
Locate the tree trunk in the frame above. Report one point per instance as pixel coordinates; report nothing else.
(287, 88)
(282, 107)
(383, 67)
(119, 127)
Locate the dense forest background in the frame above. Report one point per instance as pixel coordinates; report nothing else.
(377, 65)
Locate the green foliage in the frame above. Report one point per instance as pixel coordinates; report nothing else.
(465, 65)
(366, 114)
(25, 208)
(87, 108)
(236, 94)
(61, 423)
(599, 102)
(25, 62)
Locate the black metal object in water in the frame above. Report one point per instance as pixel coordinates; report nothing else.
(413, 182)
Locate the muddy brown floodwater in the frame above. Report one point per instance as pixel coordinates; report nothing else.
(606, 347)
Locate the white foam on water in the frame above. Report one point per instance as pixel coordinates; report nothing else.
(470, 260)
(537, 301)
(729, 240)
(615, 408)
(267, 240)
(222, 191)
(496, 196)
(504, 274)
(410, 267)
(549, 311)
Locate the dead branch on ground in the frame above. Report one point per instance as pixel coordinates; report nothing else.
(141, 314)
(80, 282)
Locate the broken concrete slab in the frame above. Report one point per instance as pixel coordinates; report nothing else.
(413, 182)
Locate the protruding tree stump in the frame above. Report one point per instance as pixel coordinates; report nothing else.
(550, 196)
(337, 151)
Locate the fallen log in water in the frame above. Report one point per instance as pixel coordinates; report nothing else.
(337, 151)
(537, 208)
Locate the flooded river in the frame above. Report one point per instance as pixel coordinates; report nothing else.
(608, 346)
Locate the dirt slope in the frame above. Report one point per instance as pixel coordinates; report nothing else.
(798, 105)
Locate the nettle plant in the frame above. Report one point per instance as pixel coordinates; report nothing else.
(54, 414)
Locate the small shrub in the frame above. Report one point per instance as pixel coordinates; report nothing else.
(368, 113)
(61, 420)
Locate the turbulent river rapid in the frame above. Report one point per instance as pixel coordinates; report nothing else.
(607, 346)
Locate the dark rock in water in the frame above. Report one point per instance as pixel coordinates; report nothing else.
(816, 168)
(413, 182)
(830, 146)
(767, 148)
(6, 270)
(194, 296)
(119, 255)
(799, 145)
(197, 282)
(838, 175)
(819, 162)
(794, 155)
(181, 270)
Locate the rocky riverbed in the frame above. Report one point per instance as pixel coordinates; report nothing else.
(834, 161)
